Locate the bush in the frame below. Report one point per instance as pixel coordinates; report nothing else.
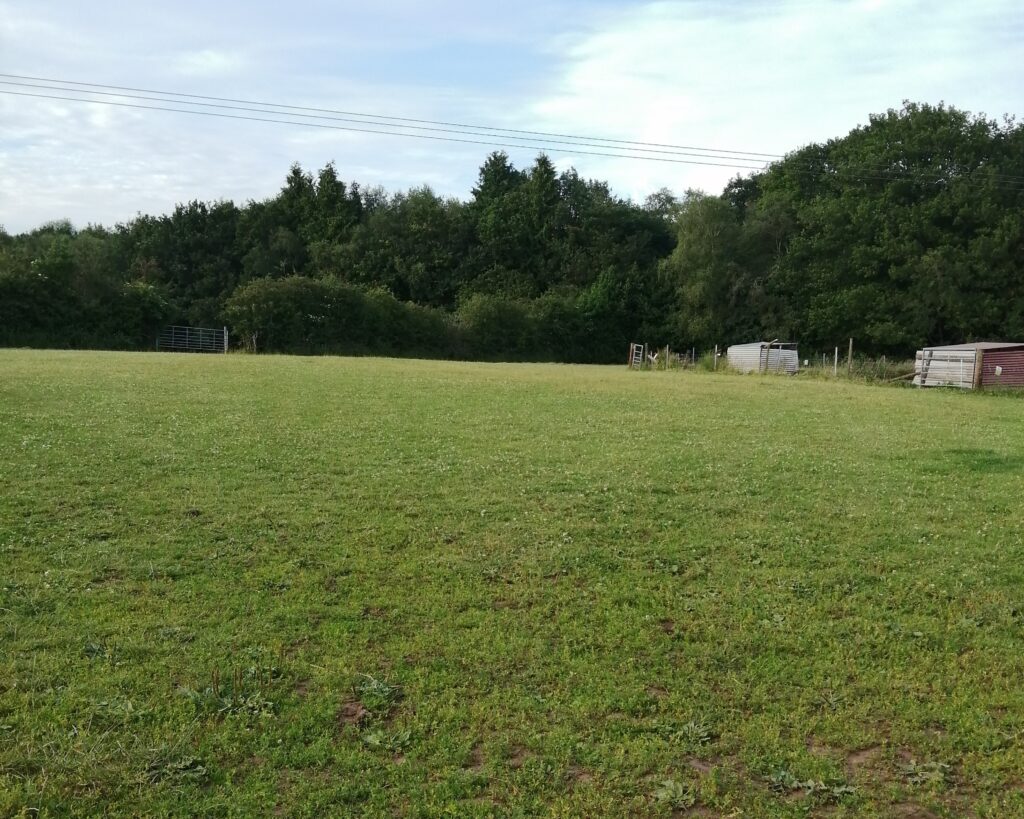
(497, 328)
(279, 315)
(302, 315)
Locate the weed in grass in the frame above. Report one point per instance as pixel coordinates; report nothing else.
(696, 733)
(783, 782)
(392, 742)
(377, 696)
(244, 694)
(99, 650)
(180, 770)
(926, 773)
(830, 700)
(675, 795)
(691, 735)
(118, 712)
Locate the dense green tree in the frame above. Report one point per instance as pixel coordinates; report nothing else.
(907, 230)
(703, 270)
(414, 248)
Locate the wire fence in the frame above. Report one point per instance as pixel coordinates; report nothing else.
(830, 365)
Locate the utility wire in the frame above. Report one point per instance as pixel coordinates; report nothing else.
(507, 133)
(223, 106)
(373, 131)
(734, 161)
(396, 118)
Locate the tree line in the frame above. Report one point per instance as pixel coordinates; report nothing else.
(908, 230)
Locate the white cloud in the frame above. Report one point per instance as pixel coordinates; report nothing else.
(768, 79)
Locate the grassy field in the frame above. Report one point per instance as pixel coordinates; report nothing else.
(240, 586)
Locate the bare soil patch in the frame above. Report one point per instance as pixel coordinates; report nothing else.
(518, 757)
(476, 758)
(579, 774)
(862, 758)
(352, 713)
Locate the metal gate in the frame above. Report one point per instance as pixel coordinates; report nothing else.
(193, 339)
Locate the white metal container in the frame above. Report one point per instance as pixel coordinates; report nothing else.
(760, 357)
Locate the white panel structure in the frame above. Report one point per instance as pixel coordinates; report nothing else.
(760, 357)
(945, 368)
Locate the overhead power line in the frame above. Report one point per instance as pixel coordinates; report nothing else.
(305, 124)
(397, 118)
(401, 126)
(864, 171)
(332, 118)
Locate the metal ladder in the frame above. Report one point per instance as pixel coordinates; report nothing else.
(926, 360)
(636, 356)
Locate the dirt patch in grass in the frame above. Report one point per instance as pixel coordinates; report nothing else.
(702, 766)
(518, 757)
(667, 625)
(820, 749)
(909, 810)
(863, 758)
(580, 775)
(476, 758)
(352, 713)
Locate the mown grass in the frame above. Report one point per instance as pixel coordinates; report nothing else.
(315, 586)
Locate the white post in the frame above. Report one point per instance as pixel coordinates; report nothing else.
(835, 363)
(225, 339)
(714, 365)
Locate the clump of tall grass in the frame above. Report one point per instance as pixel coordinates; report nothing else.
(870, 370)
(706, 363)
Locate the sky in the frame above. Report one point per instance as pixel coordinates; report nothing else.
(724, 74)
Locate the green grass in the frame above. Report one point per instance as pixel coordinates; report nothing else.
(316, 586)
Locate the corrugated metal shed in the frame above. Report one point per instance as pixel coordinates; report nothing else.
(760, 357)
(971, 366)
